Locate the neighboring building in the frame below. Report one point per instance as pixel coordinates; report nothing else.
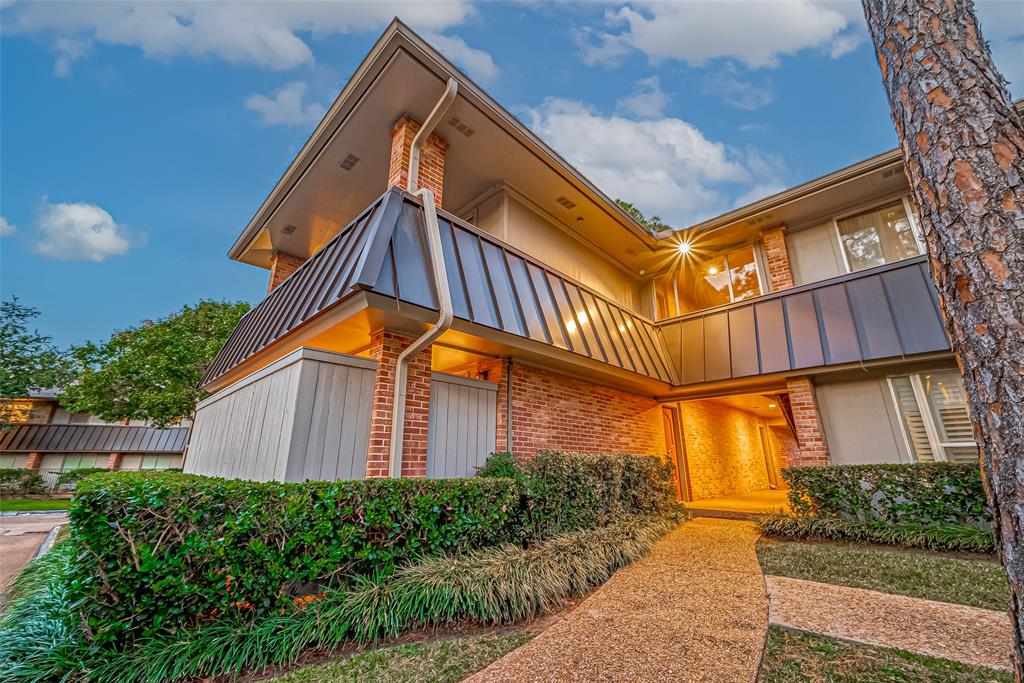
(802, 329)
(45, 437)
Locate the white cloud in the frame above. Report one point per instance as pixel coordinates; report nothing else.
(665, 165)
(477, 63)
(80, 232)
(287, 106)
(649, 101)
(738, 93)
(264, 34)
(755, 32)
(6, 228)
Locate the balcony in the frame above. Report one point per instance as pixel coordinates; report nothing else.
(889, 311)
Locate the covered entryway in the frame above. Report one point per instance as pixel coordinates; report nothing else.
(463, 423)
(734, 449)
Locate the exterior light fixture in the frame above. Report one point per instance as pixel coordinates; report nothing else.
(771, 405)
(712, 271)
(684, 248)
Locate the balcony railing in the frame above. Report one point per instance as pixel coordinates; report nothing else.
(889, 311)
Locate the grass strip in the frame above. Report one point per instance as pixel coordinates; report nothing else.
(29, 505)
(811, 658)
(945, 537)
(444, 661)
(918, 574)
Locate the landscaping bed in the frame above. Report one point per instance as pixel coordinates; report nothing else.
(976, 581)
(167, 576)
(791, 657)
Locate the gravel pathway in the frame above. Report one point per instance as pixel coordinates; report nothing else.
(693, 609)
(971, 635)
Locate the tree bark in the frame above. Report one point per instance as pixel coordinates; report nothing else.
(963, 150)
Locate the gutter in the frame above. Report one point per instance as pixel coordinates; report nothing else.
(444, 297)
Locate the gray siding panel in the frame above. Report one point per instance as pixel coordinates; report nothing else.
(804, 338)
(841, 341)
(860, 422)
(716, 347)
(743, 342)
(876, 329)
(462, 427)
(773, 345)
(306, 417)
(919, 326)
(693, 351)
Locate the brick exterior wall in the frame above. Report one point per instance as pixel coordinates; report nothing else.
(432, 156)
(553, 411)
(384, 348)
(784, 448)
(724, 455)
(281, 266)
(813, 448)
(780, 272)
(34, 461)
(114, 461)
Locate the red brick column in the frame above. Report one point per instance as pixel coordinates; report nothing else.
(779, 270)
(432, 156)
(281, 266)
(114, 461)
(34, 461)
(384, 348)
(810, 435)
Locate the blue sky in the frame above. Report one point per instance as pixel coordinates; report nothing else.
(139, 138)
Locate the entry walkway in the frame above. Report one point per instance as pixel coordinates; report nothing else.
(693, 609)
(742, 504)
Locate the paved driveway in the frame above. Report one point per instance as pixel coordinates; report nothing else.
(20, 538)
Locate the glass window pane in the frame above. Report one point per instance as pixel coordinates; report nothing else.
(913, 421)
(948, 403)
(878, 237)
(710, 283)
(743, 270)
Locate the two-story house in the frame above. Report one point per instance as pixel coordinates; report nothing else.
(443, 285)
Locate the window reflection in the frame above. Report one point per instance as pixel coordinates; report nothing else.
(699, 283)
(877, 237)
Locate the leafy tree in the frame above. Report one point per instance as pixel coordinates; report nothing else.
(963, 149)
(653, 223)
(28, 360)
(151, 372)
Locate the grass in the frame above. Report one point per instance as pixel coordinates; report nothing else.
(919, 574)
(443, 661)
(810, 658)
(947, 537)
(27, 504)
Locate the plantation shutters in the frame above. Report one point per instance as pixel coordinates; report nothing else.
(936, 422)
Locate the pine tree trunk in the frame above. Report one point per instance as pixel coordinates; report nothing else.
(963, 149)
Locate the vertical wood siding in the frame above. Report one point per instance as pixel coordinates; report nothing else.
(463, 423)
(305, 417)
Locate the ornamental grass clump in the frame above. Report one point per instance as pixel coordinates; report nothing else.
(942, 537)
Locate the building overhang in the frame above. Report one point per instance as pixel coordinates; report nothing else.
(343, 166)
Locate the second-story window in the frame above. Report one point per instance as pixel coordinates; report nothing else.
(699, 283)
(883, 235)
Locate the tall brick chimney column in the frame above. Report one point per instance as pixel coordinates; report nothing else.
(810, 435)
(431, 158)
(779, 270)
(281, 266)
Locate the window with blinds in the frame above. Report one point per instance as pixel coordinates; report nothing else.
(934, 415)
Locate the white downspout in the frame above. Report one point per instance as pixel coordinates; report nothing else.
(444, 297)
(412, 184)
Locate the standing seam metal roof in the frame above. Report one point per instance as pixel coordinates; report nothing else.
(384, 250)
(72, 438)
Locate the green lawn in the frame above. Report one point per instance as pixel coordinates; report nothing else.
(919, 574)
(809, 658)
(437, 662)
(25, 504)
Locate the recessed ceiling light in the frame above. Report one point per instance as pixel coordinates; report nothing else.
(771, 405)
(712, 271)
(684, 248)
(288, 229)
(349, 162)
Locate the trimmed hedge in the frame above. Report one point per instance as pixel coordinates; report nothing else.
(161, 550)
(18, 481)
(75, 476)
(921, 494)
(564, 491)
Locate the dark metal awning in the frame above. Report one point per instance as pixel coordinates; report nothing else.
(72, 438)
(384, 251)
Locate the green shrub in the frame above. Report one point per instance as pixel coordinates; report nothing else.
(564, 491)
(945, 537)
(41, 638)
(502, 465)
(75, 476)
(162, 550)
(17, 481)
(921, 494)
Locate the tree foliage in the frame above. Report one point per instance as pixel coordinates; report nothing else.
(652, 223)
(28, 360)
(151, 372)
